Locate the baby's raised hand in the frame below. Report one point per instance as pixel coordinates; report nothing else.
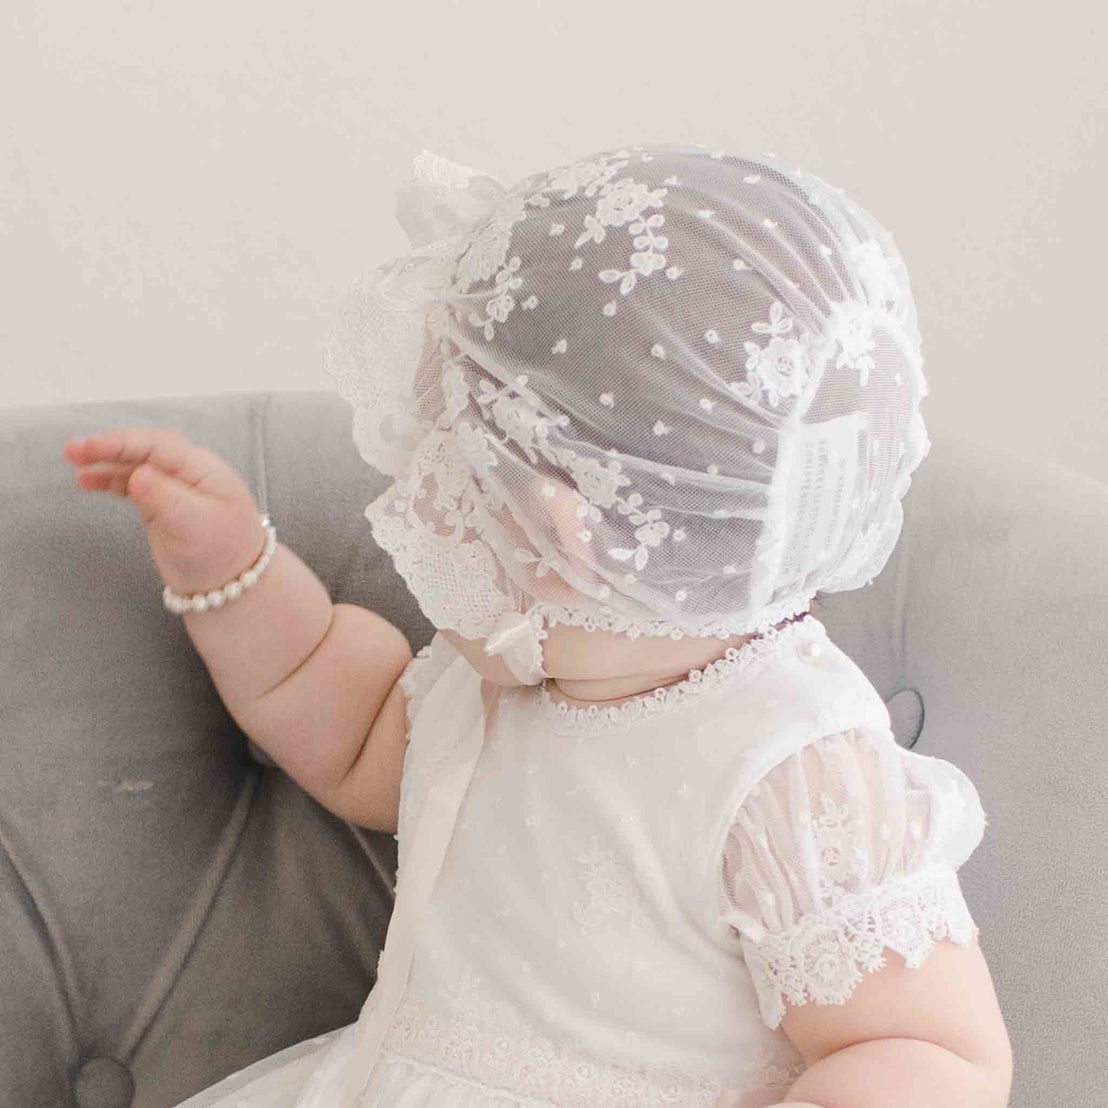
(201, 520)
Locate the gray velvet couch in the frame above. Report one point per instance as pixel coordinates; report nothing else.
(173, 907)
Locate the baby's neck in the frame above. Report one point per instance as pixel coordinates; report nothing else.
(617, 690)
(655, 663)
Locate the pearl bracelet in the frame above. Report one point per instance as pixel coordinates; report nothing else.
(216, 598)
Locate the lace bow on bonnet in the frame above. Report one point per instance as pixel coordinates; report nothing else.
(661, 390)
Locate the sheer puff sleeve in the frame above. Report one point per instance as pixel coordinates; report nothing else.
(848, 846)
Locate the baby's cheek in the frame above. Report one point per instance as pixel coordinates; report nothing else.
(491, 669)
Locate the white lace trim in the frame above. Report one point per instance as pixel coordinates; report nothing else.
(493, 1049)
(818, 959)
(410, 1068)
(571, 719)
(720, 627)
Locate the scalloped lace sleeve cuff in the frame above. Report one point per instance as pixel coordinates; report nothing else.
(821, 957)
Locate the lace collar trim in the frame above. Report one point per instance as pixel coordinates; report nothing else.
(571, 719)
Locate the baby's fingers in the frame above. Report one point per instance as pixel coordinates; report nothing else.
(158, 468)
(105, 477)
(165, 448)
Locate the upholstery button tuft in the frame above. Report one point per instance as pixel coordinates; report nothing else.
(104, 1083)
(906, 716)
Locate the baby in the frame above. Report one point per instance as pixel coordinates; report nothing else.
(655, 835)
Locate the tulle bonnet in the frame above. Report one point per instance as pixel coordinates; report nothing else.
(661, 390)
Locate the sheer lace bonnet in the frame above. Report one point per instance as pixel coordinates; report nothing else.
(661, 390)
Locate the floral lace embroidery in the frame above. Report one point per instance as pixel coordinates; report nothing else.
(818, 958)
(492, 1044)
(784, 367)
(571, 719)
(460, 585)
(612, 891)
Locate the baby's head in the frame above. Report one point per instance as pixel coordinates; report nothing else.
(659, 392)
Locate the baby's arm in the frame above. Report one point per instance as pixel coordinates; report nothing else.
(906, 1072)
(314, 684)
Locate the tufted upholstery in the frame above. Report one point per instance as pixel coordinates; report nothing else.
(173, 908)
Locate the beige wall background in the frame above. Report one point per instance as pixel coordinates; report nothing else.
(188, 188)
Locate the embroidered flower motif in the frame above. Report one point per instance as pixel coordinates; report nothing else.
(600, 484)
(519, 421)
(623, 201)
(875, 270)
(528, 558)
(781, 368)
(474, 447)
(585, 510)
(652, 533)
(839, 847)
(485, 254)
(611, 889)
(618, 203)
(456, 392)
(855, 334)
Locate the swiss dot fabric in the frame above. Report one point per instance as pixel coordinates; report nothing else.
(659, 390)
(849, 845)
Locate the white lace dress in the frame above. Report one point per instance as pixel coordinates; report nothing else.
(631, 896)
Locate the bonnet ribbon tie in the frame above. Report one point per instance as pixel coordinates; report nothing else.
(517, 639)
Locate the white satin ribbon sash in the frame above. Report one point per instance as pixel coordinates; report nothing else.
(346, 1071)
